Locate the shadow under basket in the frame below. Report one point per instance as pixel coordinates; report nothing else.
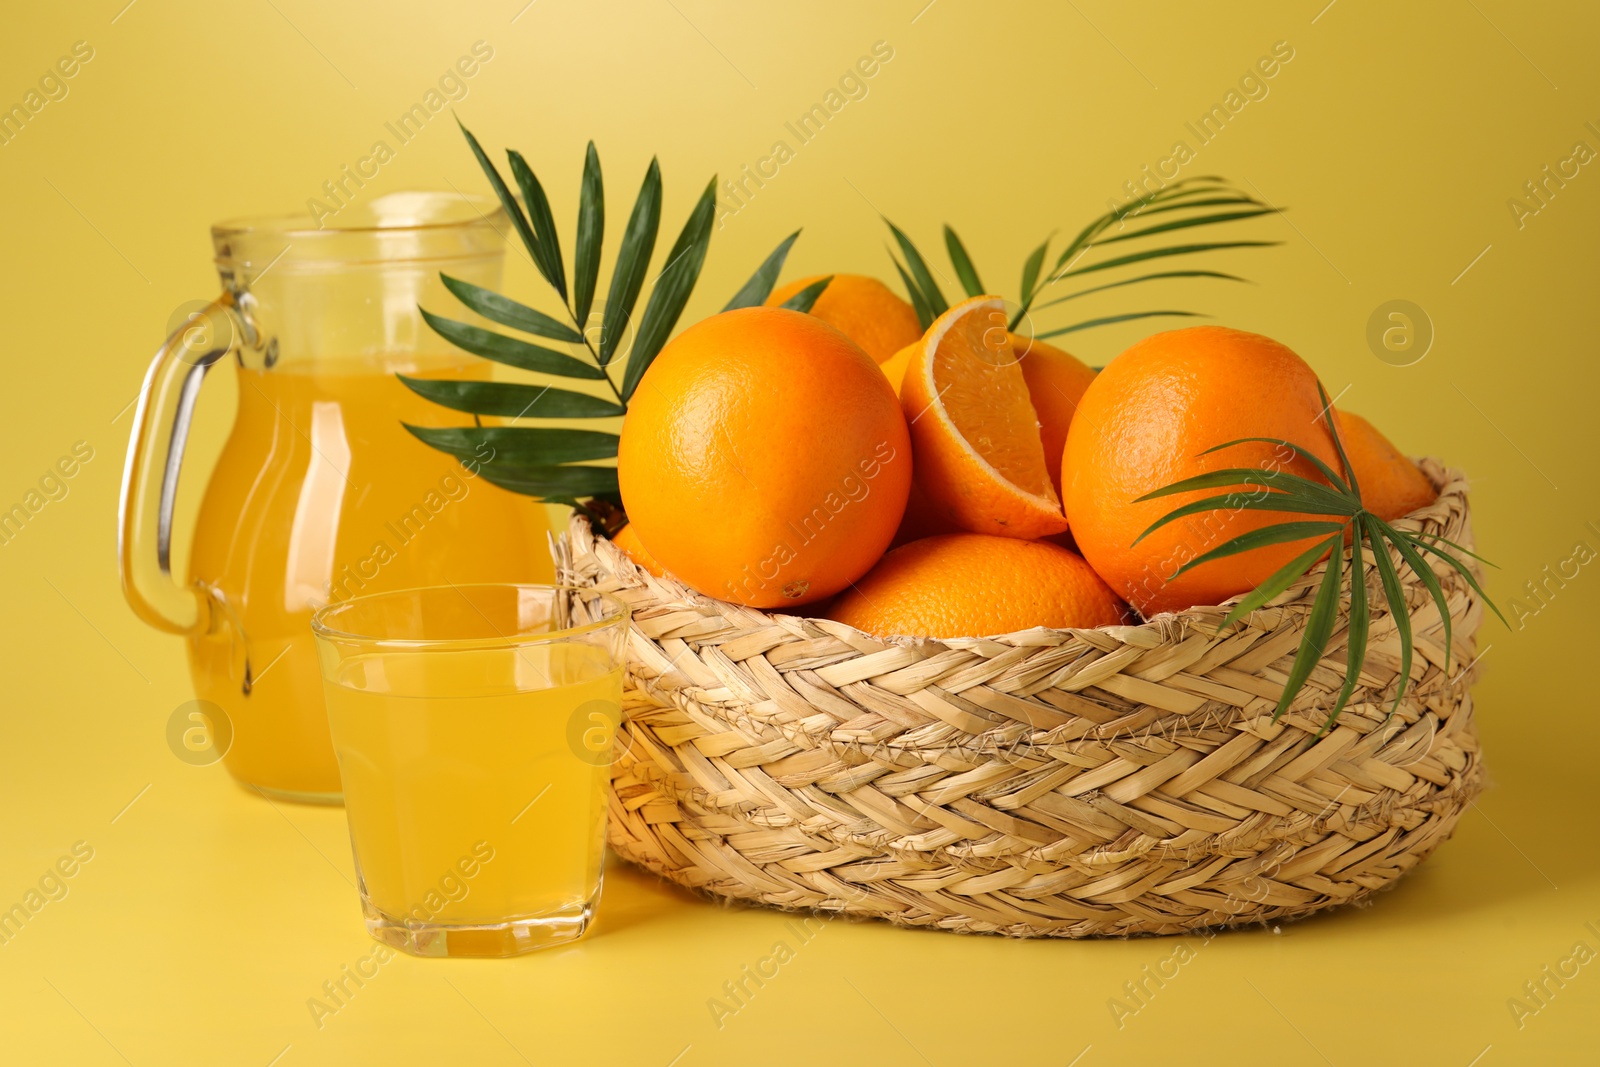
(1046, 783)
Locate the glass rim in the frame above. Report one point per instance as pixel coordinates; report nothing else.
(290, 224)
(620, 612)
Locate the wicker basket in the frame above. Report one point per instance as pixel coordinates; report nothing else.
(1062, 783)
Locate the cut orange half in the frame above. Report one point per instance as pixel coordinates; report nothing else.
(976, 453)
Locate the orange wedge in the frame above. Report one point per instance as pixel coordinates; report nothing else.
(976, 452)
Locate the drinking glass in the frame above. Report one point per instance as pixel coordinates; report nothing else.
(473, 728)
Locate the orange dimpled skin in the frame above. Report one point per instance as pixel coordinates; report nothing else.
(863, 309)
(764, 458)
(1143, 423)
(627, 539)
(974, 585)
(1391, 485)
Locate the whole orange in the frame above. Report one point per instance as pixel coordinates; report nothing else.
(627, 539)
(764, 458)
(974, 585)
(1391, 485)
(863, 309)
(1142, 425)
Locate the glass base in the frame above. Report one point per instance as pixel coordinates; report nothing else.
(514, 937)
(295, 797)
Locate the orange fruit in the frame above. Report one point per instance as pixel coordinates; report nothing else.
(1391, 485)
(627, 539)
(973, 585)
(894, 368)
(763, 458)
(973, 429)
(863, 309)
(1142, 425)
(1056, 382)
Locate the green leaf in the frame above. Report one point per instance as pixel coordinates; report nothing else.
(1399, 610)
(672, 288)
(1278, 534)
(1332, 424)
(591, 236)
(1171, 250)
(806, 299)
(1283, 481)
(1181, 224)
(1459, 548)
(919, 303)
(1107, 320)
(1420, 568)
(1319, 626)
(1461, 568)
(1280, 580)
(511, 399)
(919, 270)
(518, 445)
(1141, 278)
(962, 263)
(1355, 648)
(1030, 270)
(509, 350)
(633, 261)
(548, 257)
(507, 312)
(1186, 205)
(1326, 471)
(566, 482)
(754, 292)
(1273, 501)
(507, 201)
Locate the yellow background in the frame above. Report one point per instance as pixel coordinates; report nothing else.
(1396, 136)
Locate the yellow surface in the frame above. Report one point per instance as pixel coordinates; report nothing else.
(206, 918)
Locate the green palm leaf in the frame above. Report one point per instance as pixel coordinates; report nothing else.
(1275, 585)
(512, 399)
(672, 288)
(919, 271)
(1289, 493)
(962, 263)
(566, 482)
(1399, 610)
(754, 292)
(919, 303)
(503, 193)
(1135, 281)
(518, 445)
(806, 299)
(633, 261)
(591, 236)
(509, 350)
(1319, 627)
(548, 258)
(1030, 272)
(1277, 534)
(1106, 320)
(507, 312)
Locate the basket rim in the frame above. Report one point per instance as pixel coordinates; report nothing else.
(1449, 482)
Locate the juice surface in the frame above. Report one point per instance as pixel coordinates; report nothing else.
(470, 801)
(320, 494)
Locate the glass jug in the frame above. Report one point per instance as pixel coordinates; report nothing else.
(320, 493)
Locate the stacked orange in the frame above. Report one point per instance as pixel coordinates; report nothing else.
(765, 460)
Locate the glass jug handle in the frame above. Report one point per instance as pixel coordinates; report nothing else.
(155, 456)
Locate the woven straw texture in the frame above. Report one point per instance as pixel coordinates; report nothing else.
(1063, 783)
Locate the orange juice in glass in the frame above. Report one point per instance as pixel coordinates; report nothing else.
(473, 726)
